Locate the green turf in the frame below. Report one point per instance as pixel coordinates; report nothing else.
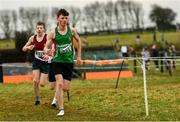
(98, 100)
(107, 40)
(7, 44)
(129, 38)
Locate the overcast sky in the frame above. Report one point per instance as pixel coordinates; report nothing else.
(15, 4)
(80, 3)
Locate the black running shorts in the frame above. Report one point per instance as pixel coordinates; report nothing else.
(65, 69)
(40, 65)
(51, 73)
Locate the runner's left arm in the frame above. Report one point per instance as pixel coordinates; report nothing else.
(78, 39)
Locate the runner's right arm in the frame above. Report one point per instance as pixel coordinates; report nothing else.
(29, 45)
(48, 46)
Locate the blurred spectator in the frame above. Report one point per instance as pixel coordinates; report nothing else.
(138, 39)
(166, 56)
(131, 51)
(116, 46)
(116, 41)
(163, 53)
(154, 36)
(162, 37)
(124, 51)
(155, 53)
(146, 55)
(172, 51)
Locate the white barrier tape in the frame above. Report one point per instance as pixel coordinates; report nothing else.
(15, 66)
(175, 58)
(89, 68)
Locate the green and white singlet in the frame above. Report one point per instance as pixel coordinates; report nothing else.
(64, 48)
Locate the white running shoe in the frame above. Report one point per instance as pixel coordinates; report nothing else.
(53, 104)
(61, 112)
(54, 101)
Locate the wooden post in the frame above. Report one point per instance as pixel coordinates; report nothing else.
(170, 67)
(119, 74)
(135, 63)
(162, 61)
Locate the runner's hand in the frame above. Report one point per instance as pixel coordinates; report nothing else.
(78, 60)
(28, 48)
(48, 52)
(46, 57)
(31, 47)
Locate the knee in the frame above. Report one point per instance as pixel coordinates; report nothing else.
(60, 85)
(65, 89)
(42, 85)
(52, 87)
(35, 81)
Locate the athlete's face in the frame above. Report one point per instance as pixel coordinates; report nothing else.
(62, 20)
(40, 29)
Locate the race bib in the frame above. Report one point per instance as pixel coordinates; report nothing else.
(39, 55)
(65, 49)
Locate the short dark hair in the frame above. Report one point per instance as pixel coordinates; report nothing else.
(41, 23)
(62, 12)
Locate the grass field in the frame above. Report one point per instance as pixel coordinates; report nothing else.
(129, 38)
(98, 100)
(7, 44)
(107, 40)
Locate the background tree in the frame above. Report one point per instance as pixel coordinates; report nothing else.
(30, 16)
(54, 11)
(14, 21)
(136, 12)
(44, 16)
(53, 15)
(117, 13)
(93, 16)
(75, 14)
(8, 22)
(124, 9)
(108, 8)
(162, 17)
